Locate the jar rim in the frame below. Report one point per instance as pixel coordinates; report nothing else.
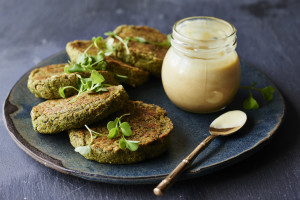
(204, 17)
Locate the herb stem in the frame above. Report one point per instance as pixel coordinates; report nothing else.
(85, 51)
(90, 131)
(94, 132)
(127, 114)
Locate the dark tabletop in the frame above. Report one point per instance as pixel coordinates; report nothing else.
(268, 38)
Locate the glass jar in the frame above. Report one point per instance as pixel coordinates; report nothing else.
(201, 70)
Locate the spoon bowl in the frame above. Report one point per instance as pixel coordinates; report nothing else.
(226, 124)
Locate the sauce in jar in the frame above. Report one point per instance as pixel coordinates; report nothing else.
(201, 71)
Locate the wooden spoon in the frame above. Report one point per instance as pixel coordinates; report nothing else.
(226, 124)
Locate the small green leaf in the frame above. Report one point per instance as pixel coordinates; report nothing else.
(75, 68)
(101, 66)
(83, 150)
(87, 67)
(122, 143)
(81, 59)
(99, 57)
(250, 103)
(132, 145)
(126, 129)
(267, 92)
(96, 77)
(112, 124)
(87, 84)
(61, 92)
(113, 133)
(66, 69)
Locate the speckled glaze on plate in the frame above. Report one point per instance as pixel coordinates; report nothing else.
(56, 152)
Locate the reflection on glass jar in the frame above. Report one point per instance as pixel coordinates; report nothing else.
(201, 71)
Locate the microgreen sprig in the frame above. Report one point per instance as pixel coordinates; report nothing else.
(250, 102)
(137, 39)
(84, 150)
(92, 84)
(87, 62)
(114, 128)
(143, 40)
(124, 42)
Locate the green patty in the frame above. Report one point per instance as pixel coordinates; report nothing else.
(45, 82)
(149, 125)
(148, 57)
(135, 76)
(53, 116)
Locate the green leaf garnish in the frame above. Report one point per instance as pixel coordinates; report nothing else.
(124, 42)
(75, 68)
(125, 129)
(132, 145)
(87, 62)
(112, 124)
(114, 129)
(250, 102)
(84, 150)
(113, 132)
(61, 90)
(267, 92)
(96, 77)
(92, 84)
(122, 143)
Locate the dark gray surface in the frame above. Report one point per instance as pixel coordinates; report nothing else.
(268, 37)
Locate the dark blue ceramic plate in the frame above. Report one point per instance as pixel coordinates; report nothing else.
(56, 152)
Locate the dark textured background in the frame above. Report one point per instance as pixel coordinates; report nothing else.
(268, 37)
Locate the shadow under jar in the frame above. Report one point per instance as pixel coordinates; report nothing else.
(201, 71)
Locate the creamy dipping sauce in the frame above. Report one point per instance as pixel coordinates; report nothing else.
(203, 75)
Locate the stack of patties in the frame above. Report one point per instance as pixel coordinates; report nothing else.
(150, 127)
(147, 49)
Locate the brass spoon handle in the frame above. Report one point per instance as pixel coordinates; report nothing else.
(164, 184)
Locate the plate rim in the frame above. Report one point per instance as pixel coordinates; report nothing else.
(55, 164)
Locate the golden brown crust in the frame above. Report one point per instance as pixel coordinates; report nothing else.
(149, 125)
(77, 47)
(146, 32)
(145, 56)
(135, 75)
(45, 82)
(53, 116)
